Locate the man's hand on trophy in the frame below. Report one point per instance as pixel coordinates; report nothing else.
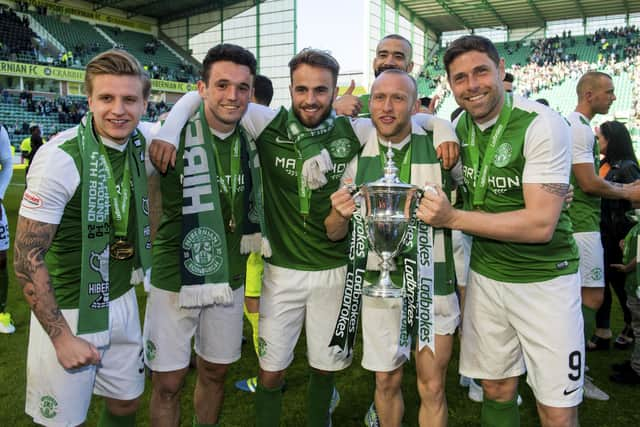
(435, 208)
(342, 201)
(448, 152)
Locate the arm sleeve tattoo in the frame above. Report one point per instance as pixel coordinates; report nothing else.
(33, 239)
(557, 189)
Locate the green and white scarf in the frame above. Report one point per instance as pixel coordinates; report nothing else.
(93, 317)
(308, 146)
(251, 243)
(204, 263)
(418, 256)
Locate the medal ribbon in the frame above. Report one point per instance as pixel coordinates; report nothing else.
(235, 163)
(304, 192)
(480, 185)
(119, 201)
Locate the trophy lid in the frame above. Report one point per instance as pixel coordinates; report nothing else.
(390, 177)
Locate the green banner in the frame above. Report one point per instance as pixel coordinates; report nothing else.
(169, 86)
(74, 75)
(41, 71)
(65, 9)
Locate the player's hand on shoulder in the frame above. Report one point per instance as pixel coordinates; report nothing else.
(74, 352)
(448, 152)
(162, 154)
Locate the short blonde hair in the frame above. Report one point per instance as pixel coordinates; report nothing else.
(116, 62)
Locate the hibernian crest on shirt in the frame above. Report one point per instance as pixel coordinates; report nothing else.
(340, 148)
(503, 155)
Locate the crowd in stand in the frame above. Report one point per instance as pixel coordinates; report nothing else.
(552, 50)
(15, 35)
(154, 110)
(532, 78)
(550, 64)
(19, 43)
(618, 43)
(152, 46)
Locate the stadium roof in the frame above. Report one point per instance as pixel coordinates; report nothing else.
(170, 10)
(451, 15)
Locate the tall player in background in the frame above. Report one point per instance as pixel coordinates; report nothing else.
(595, 95)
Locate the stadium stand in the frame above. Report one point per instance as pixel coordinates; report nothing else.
(550, 68)
(84, 41)
(149, 50)
(81, 40)
(17, 39)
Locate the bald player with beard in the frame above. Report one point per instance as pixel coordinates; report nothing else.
(392, 52)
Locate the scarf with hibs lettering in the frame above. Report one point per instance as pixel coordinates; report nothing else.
(93, 317)
(204, 263)
(417, 257)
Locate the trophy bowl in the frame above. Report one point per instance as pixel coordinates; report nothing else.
(388, 210)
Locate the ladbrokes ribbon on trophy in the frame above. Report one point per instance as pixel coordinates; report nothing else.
(346, 329)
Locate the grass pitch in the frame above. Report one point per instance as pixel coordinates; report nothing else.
(355, 384)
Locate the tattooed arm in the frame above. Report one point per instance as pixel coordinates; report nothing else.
(33, 239)
(535, 223)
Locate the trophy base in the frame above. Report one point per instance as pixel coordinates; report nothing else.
(383, 291)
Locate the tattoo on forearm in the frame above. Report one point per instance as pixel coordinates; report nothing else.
(557, 189)
(32, 241)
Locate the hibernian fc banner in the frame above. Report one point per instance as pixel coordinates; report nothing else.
(8, 68)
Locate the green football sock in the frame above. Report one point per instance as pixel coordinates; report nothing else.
(4, 288)
(500, 414)
(197, 424)
(107, 419)
(268, 406)
(589, 315)
(253, 321)
(319, 398)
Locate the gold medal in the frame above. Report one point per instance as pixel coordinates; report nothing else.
(121, 250)
(232, 224)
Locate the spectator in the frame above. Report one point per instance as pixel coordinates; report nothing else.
(619, 166)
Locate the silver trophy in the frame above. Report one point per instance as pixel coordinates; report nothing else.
(389, 204)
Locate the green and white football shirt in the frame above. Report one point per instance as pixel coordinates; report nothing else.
(535, 148)
(167, 245)
(54, 197)
(585, 208)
